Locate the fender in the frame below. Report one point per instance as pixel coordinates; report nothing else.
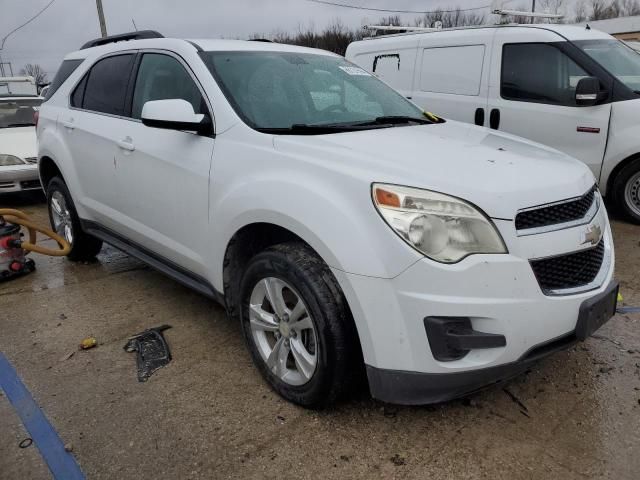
(372, 249)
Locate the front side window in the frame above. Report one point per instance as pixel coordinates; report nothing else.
(106, 85)
(620, 60)
(162, 77)
(283, 90)
(541, 73)
(18, 112)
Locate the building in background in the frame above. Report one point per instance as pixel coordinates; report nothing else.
(623, 28)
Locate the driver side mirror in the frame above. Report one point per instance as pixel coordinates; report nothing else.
(588, 92)
(175, 114)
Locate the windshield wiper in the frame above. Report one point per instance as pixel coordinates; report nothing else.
(310, 129)
(20, 125)
(395, 119)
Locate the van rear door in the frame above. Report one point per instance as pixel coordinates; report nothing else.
(532, 94)
(452, 74)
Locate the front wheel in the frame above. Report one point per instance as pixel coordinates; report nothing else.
(297, 326)
(66, 223)
(626, 190)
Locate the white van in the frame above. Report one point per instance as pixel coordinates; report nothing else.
(569, 87)
(18, 86)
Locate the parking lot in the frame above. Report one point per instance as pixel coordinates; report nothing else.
(208, 414)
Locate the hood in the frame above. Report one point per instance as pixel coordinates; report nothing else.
(19, 141)
(498, 172)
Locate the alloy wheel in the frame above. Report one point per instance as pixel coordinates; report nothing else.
(61, 216)
(283, 331)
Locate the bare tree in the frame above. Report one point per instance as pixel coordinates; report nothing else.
(451, 19)
(580, 12)
(35, 71)
(629, 8)
(557, 7)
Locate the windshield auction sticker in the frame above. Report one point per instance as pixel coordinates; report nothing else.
(355, 71)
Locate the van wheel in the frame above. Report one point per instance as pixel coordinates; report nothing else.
(297, 326)
(65, 222)
(626, 191)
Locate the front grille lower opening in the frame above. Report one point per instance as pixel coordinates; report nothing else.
(569, 271)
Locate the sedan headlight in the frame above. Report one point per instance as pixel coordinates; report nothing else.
(9, 160)
(444, 228)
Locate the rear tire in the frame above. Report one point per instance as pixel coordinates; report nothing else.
(626, 191)
(317, 356)
(66, 223)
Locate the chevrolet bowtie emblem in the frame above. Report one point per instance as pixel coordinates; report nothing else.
(593, 235)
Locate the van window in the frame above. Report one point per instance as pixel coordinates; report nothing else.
(162, 77)
(452, 69)
(387, 67)
(107, 85)
(540, 73)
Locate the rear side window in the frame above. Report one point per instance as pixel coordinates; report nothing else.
(456, 70)
(66, 69)
(106, 85)
(162, 77)
(540, 73)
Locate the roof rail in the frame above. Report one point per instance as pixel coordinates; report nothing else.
(140, 35)
(374, 29)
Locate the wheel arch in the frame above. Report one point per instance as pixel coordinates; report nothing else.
(47, 169)
(616, 171)
(251, 239)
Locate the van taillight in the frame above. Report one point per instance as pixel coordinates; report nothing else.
(36, 116)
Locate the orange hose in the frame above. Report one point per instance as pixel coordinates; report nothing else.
(22, 219)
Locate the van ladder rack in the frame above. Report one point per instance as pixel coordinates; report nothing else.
(140, 35)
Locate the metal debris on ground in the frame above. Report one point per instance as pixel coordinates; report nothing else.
(153, 351)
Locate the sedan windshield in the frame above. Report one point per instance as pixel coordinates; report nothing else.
(18, 112)
(619, 59)
(300, 93)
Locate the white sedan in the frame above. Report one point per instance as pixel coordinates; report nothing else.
(18, 147)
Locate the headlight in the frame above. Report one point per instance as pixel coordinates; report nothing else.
(9, 160)
(443, 228)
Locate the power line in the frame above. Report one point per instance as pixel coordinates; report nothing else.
(387, 10)
(25, 23)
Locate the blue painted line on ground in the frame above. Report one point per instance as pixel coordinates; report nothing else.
(60, 462)
(628, 310)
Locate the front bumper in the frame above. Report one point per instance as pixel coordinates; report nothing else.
(414, 388)
(19, 178)
(498, 294)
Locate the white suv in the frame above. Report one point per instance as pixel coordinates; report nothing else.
(341, 225)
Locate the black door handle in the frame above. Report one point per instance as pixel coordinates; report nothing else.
(479, 118)
(494, 119)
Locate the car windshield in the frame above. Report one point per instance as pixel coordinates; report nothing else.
(18, 112)
(619, 59)
(307, 93)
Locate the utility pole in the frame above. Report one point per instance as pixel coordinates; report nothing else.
(103, 25)
(533, 9)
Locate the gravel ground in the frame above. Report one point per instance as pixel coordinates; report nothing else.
(209, 415)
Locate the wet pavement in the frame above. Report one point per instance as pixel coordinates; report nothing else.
(208, 414)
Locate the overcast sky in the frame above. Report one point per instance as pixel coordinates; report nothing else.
(67, 24)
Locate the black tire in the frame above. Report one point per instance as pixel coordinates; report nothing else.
(629, 173)
(84, 247)
(337, 349)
